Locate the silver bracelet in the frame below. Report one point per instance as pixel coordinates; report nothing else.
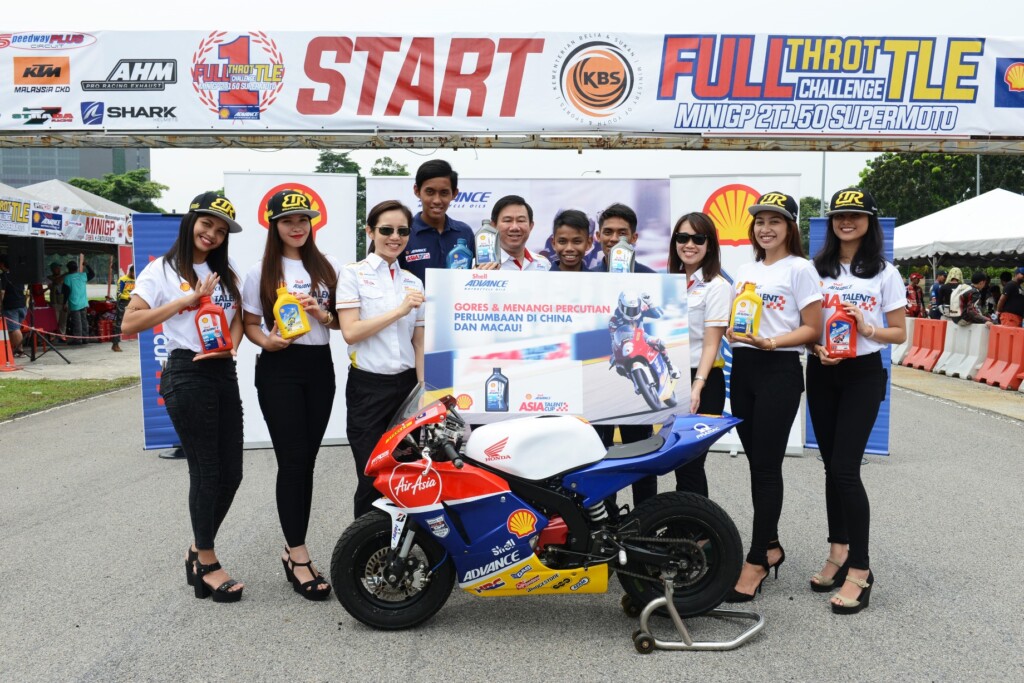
(702, 378)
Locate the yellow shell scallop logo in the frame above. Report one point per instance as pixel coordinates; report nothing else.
(1014, 76)
(522, 523)
(464, 402)
(727, 206)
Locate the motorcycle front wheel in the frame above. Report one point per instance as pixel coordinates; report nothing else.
(641, 376)
(360, 567)
(702, 540)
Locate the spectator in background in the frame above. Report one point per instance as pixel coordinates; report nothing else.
(971, 302)
(57, 301)
(940, 279)
(991, 299)
(78, 299)
(1011, 304)
(12, 293)
(125, 286)
(946, 290)
(915, 297)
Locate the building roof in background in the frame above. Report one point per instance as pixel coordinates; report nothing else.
(59, 192)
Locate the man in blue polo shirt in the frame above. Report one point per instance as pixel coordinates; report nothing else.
(434, 233)
(615, 222)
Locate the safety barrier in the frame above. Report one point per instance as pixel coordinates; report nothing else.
(1004, 362)
(7, 363)
(947, 347)
(929, 337)
(900, 351)
(965, 351)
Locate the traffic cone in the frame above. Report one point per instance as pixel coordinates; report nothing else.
(6, 352)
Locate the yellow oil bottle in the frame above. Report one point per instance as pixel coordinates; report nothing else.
(746, 311)
(289, 314)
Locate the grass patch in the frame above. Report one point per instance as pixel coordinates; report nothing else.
(23, 396)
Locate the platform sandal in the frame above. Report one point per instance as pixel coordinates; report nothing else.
(825, 584)
(190, 567)
(221, 593)
(849, 606)
(316, 588)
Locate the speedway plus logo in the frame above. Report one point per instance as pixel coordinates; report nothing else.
(598, 79)
(46, 41)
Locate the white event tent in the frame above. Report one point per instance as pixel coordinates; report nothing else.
(987, 230)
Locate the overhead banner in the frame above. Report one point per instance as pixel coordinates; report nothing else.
(40, 219)
(336, 82)
(511, 343)
(548, 197)
(334, 196)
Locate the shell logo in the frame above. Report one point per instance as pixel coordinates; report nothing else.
(596, 78)
(316, 203)
(185, 287)
(727, 206)
(464, 402)
(522, 523)
(1014, 77)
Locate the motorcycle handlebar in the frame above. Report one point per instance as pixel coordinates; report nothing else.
(453, 455)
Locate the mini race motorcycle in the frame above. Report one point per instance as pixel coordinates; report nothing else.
(642, 363)
(523, 512)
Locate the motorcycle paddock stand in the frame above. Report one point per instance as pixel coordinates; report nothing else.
(645, 643)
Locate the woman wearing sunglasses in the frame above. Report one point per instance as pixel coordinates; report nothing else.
(380, 309)
(294, 377)
(694, 252)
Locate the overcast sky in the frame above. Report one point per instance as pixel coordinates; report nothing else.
(188, 172)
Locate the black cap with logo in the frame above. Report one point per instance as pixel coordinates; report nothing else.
(852, 200)
(214, 204)
(290, 202)
(777, 202)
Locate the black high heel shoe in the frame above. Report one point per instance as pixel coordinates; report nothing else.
(771, 546)
(288, 576)
(190, 559)
(824, 584)
(853, 606)
(736, 596)
(316, 588)
(221, 593)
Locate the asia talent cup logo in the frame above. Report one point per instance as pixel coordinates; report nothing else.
(597, 80)
(233, 82)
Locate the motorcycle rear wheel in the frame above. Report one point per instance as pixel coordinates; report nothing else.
(357, 573)
(709, 546)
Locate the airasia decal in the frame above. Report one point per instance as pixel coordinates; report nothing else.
(412, 487)
(469, 67)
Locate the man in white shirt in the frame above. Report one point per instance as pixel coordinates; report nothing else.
(513, 218)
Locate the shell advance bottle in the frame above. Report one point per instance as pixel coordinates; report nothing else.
(621, 257)
(496, 393)
(746, 311)
(841, 335)
(487, 248)
(460, 257)
(212, 325)
(290, 315)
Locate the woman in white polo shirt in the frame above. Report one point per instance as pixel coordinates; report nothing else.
(380, 310)
(767, 380)
(199, 390)
(294, 377)
(695, 253)
(844, 394)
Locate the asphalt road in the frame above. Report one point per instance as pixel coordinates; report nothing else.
(95, 530)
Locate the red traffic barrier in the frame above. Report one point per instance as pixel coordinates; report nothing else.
(1004, 363)
(929, 340)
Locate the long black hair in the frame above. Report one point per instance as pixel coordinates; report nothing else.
(320, 270)
(180, 257)
(867, 262)
(702, 224)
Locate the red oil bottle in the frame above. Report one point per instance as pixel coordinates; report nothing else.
(212, 325)
(841, 335)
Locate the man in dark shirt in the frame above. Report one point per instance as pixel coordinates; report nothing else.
(12, 294)
(434, 233)
(940, 279)
(616, 222)
(1011, 304)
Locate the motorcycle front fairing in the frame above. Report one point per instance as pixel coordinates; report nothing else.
(684, 438)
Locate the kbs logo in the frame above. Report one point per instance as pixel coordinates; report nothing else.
(315, 202)
(236, 87)
(46, 41)
(597, 81)
(1009, 82)
(727, 206)
(137, 75)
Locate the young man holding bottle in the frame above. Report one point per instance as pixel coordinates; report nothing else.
(434, 232)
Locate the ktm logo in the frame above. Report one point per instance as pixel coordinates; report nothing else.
(36, 71)
(774, 199)
(850, 198)
(596, 79)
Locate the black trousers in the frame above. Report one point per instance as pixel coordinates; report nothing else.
(206, 410)
(691, 476)
(296, 392)
(765, 393)
(642, 489)
(371, 400)
(843, 401)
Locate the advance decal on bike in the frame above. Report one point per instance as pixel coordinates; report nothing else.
(531, 577)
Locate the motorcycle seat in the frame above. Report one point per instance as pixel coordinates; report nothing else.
(632, 450)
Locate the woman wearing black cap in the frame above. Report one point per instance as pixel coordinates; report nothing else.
(294, 377)
(767, 379)
(200, 390)
(843, 395)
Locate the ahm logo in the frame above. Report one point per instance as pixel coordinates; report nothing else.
(92, 113)
(596, 79)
